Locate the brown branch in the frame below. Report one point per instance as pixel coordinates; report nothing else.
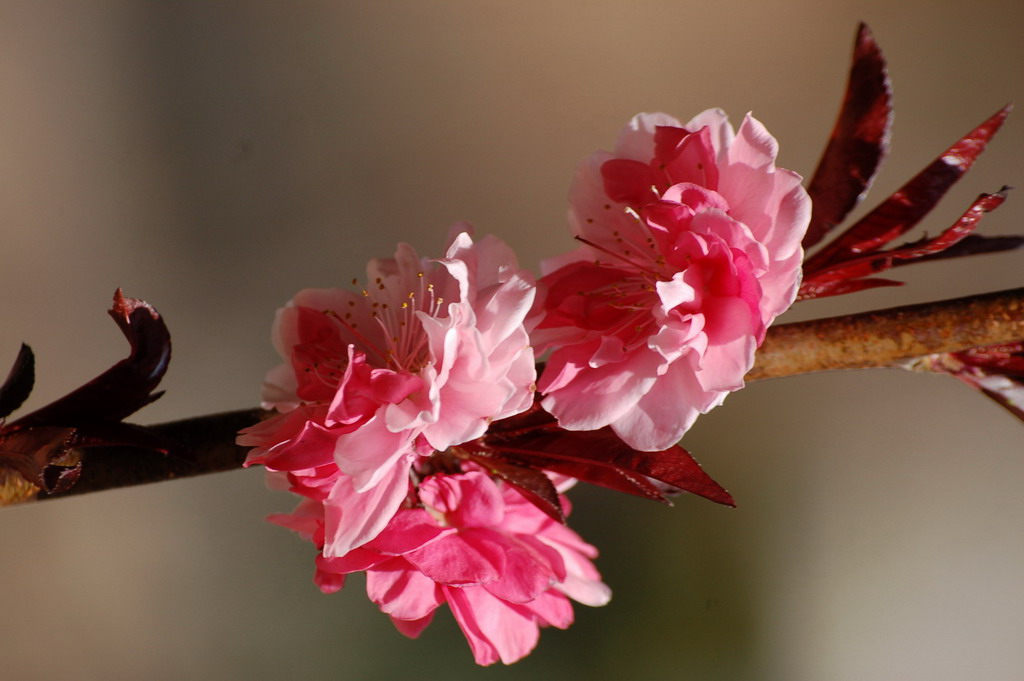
(884, 338)
(205, 444)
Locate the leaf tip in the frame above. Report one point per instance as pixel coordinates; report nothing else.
(865, 38)
(996, 120)
(123, 307)
(18, 385)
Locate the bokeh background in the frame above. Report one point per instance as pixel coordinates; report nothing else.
(215, 157)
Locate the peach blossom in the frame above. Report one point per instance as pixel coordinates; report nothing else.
(690, 249)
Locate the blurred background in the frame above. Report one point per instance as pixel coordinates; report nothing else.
(215, 157)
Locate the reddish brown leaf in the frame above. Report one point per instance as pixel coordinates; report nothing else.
(975, 244)
(531, 483)
(1008, 396)
(823, 289)
(828, 281)
(904, 209)
(859, 141)
(584, 469)
(18, 385)
(967, 223)
(60, 478)
(1004, 402)
(44, 447)
(534, 440)
(124, 388)
(675, 467)
(997, 371)
(1006, 359)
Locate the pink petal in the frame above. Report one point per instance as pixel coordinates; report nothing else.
(306, 519)
(468, 500)
(588, 591)
(754, 146)
(529, 571)
(352, 518)
(691, 161)
(665, 412)
(471, 557)
(595, 397)
(717, 123)
(329, 582)
(732, 341)
(312, 446)
(412, 628)
(356, 560)
(402, 591)
(371, 452)
(636, 139)
(628, 182)
(495, 629)
(408, 530)
(552, 609)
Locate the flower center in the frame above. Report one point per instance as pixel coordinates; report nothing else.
(396, 338)
(633, 295)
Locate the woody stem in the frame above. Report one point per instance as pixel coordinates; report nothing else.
(887, 338)
(884, 338)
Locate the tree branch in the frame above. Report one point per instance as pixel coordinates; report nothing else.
(885, 338)
(205, 444)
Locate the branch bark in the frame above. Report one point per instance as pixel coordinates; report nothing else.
(884, 338)
(887, 338)
(205, 444)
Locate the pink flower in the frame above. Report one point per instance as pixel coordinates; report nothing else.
(420, 359)
(691, 247)
(504, 567)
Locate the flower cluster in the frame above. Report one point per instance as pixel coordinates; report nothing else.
(503, 567)
(432, 416)
(407, 418)
(421, 358)
(690, 248)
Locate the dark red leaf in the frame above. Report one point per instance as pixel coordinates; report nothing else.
(847, 271)
(617, 466)
(1006, 359)
(995, 370)
(582, 468)
(20, 380)
(827, 282)
(124, 388)
(975, 244)
(967, 223)
(904, 209)
(1003, 401)
(534, 440)
(531, 483)
(1007, 396)
(45, 447)
(859, 141)
(823, 289)
(58, 478)
(676, 467)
